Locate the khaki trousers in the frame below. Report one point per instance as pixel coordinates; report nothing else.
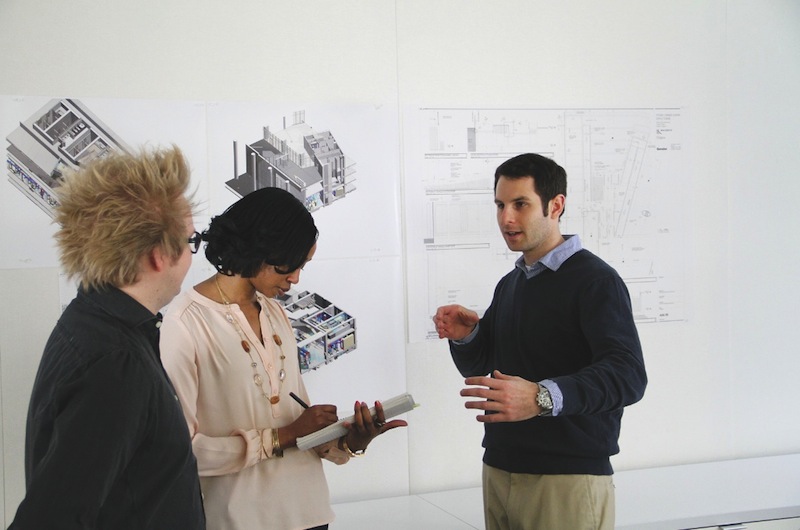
(519, 501)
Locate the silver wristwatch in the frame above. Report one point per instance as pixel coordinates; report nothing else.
(544, 401)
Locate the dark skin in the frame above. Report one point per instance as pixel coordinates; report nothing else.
(242, 291)
(361, 431)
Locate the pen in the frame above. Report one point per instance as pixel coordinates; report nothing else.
(302, 403)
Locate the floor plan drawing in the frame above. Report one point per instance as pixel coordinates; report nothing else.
(623, 169)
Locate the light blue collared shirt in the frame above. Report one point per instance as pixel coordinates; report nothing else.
(553, 261)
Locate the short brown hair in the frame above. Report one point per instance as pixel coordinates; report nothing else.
(549, 179)
(116, 209)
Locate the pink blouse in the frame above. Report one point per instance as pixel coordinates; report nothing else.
(231, 422)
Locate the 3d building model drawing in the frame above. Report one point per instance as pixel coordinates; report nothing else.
(323, 331)
(312, 167)
(64, 134)
(307, 163)
(61, 135)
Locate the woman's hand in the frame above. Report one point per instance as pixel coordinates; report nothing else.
(365, 428)
(311, 420)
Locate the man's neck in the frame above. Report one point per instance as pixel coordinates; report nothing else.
(145, 295)
(542, 251)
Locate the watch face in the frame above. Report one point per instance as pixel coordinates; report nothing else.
(543, 399)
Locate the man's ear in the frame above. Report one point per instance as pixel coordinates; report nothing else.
(156, 259)
(557, 206)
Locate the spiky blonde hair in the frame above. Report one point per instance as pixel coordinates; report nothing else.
(118, 208)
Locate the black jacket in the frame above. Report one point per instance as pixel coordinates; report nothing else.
(107, 444)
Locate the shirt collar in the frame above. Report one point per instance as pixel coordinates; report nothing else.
(122, 306)
(553, 259)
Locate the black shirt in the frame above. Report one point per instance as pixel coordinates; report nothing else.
(107, 444)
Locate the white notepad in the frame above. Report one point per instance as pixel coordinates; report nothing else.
(391, 408)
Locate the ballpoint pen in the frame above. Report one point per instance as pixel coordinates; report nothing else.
(302, 403)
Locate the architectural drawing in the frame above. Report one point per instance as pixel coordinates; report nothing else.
(307, 163)
(311, 166)
(64, 134)
(60, 136)
(323, 331)
(622, 167)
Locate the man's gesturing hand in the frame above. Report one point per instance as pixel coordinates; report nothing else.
(507, 397)
(454, 322)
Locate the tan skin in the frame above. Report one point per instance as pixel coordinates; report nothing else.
(268, 281)
(527, 229)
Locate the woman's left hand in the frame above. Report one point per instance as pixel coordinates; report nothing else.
(365, 428)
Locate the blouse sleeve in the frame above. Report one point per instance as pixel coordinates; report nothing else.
(216, 455)
(330, 451)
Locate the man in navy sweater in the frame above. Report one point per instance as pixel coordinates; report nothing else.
(553, 361)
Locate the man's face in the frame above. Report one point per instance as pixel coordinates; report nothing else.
(521, 218)
(180, 265)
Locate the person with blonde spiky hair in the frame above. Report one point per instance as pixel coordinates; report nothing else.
(106, 443)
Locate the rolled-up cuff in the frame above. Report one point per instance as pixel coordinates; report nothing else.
(330, 451)
(258, 445)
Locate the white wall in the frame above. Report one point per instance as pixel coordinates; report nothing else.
(722, 384)
(763, 157)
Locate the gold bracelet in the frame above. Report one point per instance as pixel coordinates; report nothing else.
(350, 451)
(277, 452)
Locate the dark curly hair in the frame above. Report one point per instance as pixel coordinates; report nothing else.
(269, 226)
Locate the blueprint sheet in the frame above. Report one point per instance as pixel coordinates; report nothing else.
(624, 198)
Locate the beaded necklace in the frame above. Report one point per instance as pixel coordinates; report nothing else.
(257, 379)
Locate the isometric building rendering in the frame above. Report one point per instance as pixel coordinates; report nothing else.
(61, 135)
(312, 167)
(323, 331)
(307, 163)
(64, 134)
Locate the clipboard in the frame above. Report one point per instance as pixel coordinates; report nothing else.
(391, 408)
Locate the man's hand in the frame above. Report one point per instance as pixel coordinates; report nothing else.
(507, 397)
(455, 322)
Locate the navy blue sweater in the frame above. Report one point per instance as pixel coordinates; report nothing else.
(574, 326)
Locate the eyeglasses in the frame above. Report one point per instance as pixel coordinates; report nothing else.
(194, 242)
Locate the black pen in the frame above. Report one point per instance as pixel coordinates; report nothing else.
(302, 403)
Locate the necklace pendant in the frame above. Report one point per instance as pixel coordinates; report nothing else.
(257, 380)
(282, 374)
(277, 339)
(246, 346)
(274, 399)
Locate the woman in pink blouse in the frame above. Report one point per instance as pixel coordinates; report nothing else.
(231, 354)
